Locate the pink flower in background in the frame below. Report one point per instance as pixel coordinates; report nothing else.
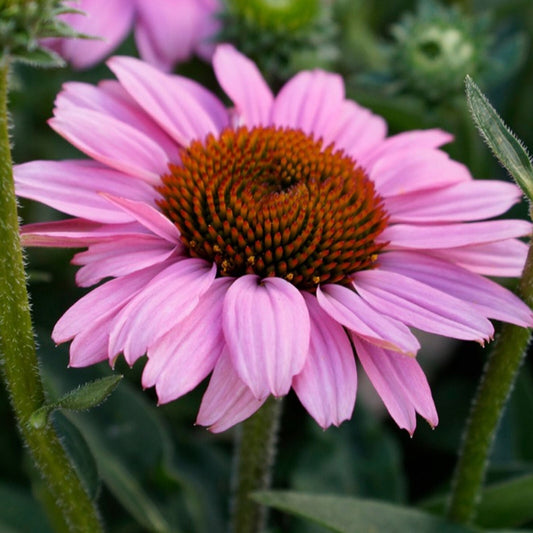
(167, 32)
(259, 243)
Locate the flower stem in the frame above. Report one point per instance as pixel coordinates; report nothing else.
(18, 357)
(255, 451)
(501, 370)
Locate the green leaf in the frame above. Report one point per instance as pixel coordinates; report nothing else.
(507, 504)
(353, 515)
(82, 398)
(79, 452)
(507, 148)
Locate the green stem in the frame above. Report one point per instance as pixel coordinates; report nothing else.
(501, 370)
(255, 453)
(18, 358)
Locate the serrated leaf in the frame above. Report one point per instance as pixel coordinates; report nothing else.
(507, 148)
(82, 398)
(354, 515)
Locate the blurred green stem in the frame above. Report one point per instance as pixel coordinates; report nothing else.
(487, 408)
(18, 358)
(255, 451)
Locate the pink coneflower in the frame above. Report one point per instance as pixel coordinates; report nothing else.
(166, 31)
(264, 243)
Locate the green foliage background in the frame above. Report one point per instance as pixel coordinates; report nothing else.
(151, 469)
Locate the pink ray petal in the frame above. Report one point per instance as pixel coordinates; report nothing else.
(75, 233)
(110, 98)
(266, 326)
(466, 201)
(488, 297)
(104, 301)
(164, 39)
(90, 345)
(175, 105)
(422, 139)
(148, 216)
(113, 143)
(120, 257)
(400, 383)
(414, 169)
(73, 187)
(505, 258)
(356, 130)
(182, 358)
(327, 384)
(164, 302)
(309, 101)
(349, 309)
(410, 236)
(421, 306)
(108, 19)
(227, 400)
(244, 84)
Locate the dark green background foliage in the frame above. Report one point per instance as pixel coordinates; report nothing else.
(151, 469)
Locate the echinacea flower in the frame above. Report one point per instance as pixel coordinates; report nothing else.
(166, 31)
(262, 244)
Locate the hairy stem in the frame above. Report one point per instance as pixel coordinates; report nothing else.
(487, 408)
(255, 453)
(18, 358)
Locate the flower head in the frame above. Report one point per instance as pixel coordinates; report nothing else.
(166, 31)
(262, 244)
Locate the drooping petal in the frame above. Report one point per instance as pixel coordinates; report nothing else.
(74, 186)
(113, 143)
(421, 306)
(183, 357)
(164, 37)
(328, 382)
(177, 106)
(75, 233)
(109, 97)
(485, 295)
(107, 20)
(101, 303)
(505, 258)
(410, 236)
(166, 300)
(266, 326)
(400, 383)
(148, 216)
(356, 130)
(244, 84)
(414, 169)
(308, 101)
(121, 256)
(227, 400)
(349, 309)
(466, 201)
(422, 139)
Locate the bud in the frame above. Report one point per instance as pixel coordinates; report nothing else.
(24, 22)
(435, 48)
(282, 37)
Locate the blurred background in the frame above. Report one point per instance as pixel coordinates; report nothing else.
(150, 467)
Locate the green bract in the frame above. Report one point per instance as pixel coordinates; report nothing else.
(24, 22)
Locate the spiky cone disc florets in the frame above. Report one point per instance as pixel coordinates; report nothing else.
(23, 23)
(275, 202)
